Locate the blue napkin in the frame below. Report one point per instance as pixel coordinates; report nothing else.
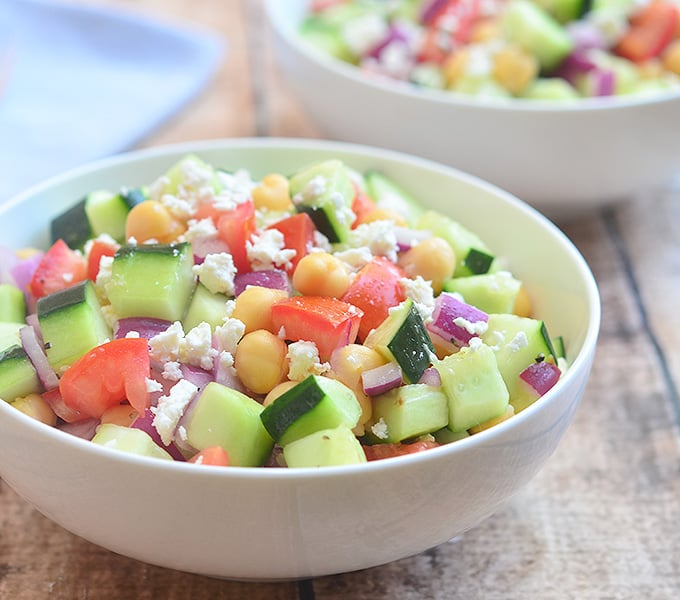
(86, 82)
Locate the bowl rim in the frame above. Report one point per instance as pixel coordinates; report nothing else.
(387, 86)
(483, 438)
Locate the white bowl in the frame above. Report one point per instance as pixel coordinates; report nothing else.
(250, 523)
(563, 158)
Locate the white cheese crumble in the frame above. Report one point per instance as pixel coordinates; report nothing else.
(421, 292)
(378, 237)
(132, 334)
(355, 258)
(105, 272)
(379, 429)
(364, 33)
(172, 371)
(518, 342)
(217, 273)
(196, 348)
(475, 343)
(153, 386)
(203, 229)
(171, 408)
(109, 315)
(267, 251)
(228, 335)
(236, 189)
(303, 360)
(473, 328)
(165, 346)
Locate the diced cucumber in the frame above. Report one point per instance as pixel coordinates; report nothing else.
(152, 280)
(325, 192)
(9, 334)
(12, 304)
(325, 37)
(107, 212)
(225, 417)
(190, 164)
(402, 338)
(205, 306)
(325, 448)
(473, 257)
(72, 226)
(517, 342)
(18, 376)
(387, 194)
(564, 11)
(473, 386)
(314, 404)
(526, 24)
(491, 293)
(550, 88)
(72, 323)
(407, 412)
(446, 436)
(130, 440)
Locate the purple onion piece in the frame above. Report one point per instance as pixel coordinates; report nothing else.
(431, 377)
(22, 272)
(275, 279)
(202, 247)
(84, 429)
(541, 376)
(602, 82)
(585, 35)
(430, 9)
(407, 238)
(381, 379)
(575, 65)
(145, 423)
(8, 259)
(146, 327)
(395, 34)
(199, 377)
(447, 310)
(34, 350)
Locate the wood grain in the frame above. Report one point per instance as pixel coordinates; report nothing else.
(600, 521)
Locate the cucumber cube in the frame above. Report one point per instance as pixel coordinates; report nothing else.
(325, 448)
(72, 323)
(473, 385)
(225, 417)
(17, 374)
(12, 304)
(407, 412)
(152, 280)
(9, 334)
(491, 293)
(126, 439)
(205, 306)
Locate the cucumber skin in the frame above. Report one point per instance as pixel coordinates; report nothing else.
(18, 376)
(325, 448)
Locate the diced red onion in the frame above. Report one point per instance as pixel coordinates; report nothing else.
(23, 271)
(448, 309)
(36, 354)
(601, 82)
(226, 376)
(201, 247)
(199, 377)
(381, 379)
(145, 423)
(83, 429)
(575, 65)
(275, 279)
(541, 376)
(65, 413)
(431, 376)
(146, 327)
(430, 10)
(394, 35)
(585, 34)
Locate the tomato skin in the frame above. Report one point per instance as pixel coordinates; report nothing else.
(375, 289)
(298, 234)
(464, 14)
(54, 398)
(212, 455)
(59, 269)
(235, 228)
(328, 322)
(362, 206)
(107, 375)
(651, 30)
(98, 249)
(380, 451)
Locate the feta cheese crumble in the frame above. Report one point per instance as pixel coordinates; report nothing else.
(303, 360)
(379, 429)
(217, 273)
(378, 237)
(171, 408)
(267, 251)
(422, 294)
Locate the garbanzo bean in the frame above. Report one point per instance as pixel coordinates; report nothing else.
(321, 274)
(35, 406)
(522, 306)
(253, 306)
(260, 361)
(272, 193)
(433, 259)
(151, 220)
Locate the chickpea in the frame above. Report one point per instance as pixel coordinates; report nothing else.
(509, 412)
(253, 306)
(272, 193)
(671, 56)
(260, 361)
(514, 69)
(455, 67)
(35, 406)
(123, 414)
(321, 274)
(484, 30)
(433, 259)
(279, 390)
(522, 306)
(384, 214)
(151, 220)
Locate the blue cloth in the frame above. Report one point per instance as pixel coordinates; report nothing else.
(86, 82)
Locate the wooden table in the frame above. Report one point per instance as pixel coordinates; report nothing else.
(602, 519)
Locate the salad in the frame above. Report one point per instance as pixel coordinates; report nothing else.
(535, 49)
(315, 319)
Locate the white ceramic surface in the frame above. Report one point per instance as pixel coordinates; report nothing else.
(248, 523)
(563, 159)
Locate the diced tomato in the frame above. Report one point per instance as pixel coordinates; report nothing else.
(235, 227)
(59, 268)
(449, 28)
(99, 249)
(298, 234)
(375, 289)
(362, 205)
(107, 375)
(321, 5)
(328, 322)
(380, 451)
(652, 28)
(212, 455)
